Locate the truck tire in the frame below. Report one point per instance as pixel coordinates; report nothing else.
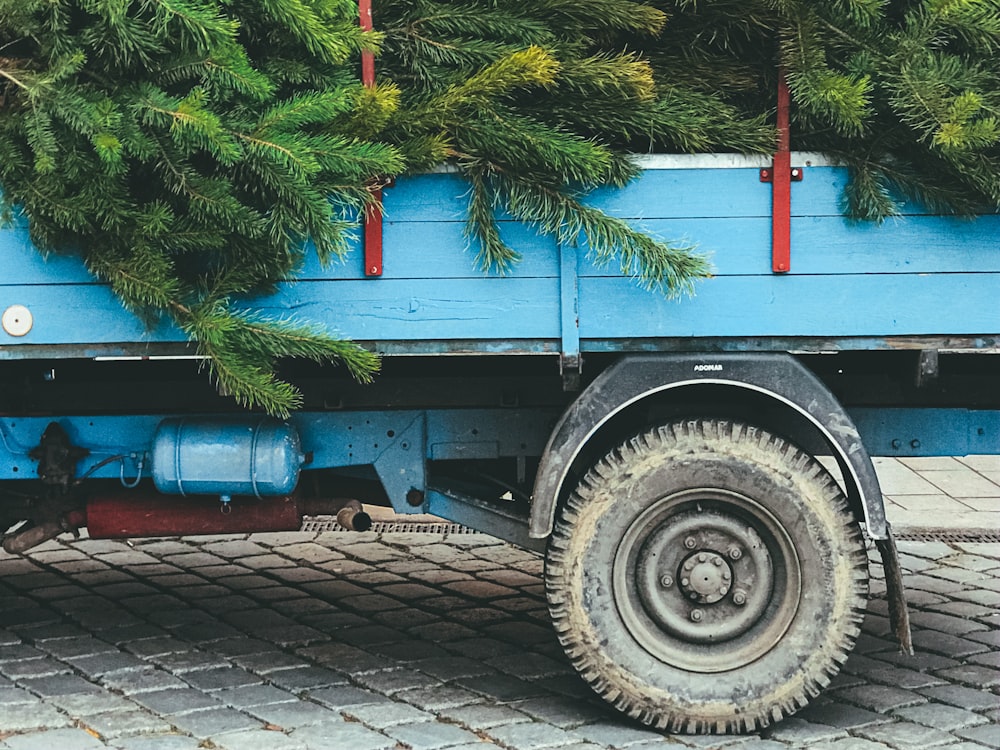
(707, 576)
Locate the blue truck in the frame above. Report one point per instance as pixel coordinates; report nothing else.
(704, 571)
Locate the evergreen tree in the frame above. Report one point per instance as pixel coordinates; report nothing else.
(904, 92)
(535, 103)
(192, 150)
(188, 149)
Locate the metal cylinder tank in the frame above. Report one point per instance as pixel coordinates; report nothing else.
(228, 456)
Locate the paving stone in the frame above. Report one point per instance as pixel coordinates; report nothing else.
(531, 736)
(947, 718)
(102, 664)
(947, 645)
(382, 715)
(177, 701)
(347, 659)
(81, 646)
(258, 739)
(215, 721)
(13, 696)
(60, 684)
(111, 725)
(340, 736)
(268, 661)
(438, 698)
(295, 714)
(841, 715)
(849, 743)
(216, 679)
(339, 698)
(252, 695)
(880, 698)
(79, 705)
(991, 659)
(409, 650)
(190, 661)
(905, 735)
(159, 742)
(73, 739)
(451, 667)
(972, 675)
(266, 562)
(482, 716)
(988, 735)
(14, 717)
(430, 735)
(395, 680)
(32, 668)
(503, 688)
(19, 652)
(305, 678)
(141, 681)
(804, 732)
(559, 711)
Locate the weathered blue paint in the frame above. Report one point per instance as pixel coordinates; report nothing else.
(917, 275)
(233, 455)
(929, 432)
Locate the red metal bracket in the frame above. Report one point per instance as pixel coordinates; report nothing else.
(781, 176)
(373, 211)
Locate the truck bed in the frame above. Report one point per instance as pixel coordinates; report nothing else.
(852, 285)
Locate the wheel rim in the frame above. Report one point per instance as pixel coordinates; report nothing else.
(707, 580)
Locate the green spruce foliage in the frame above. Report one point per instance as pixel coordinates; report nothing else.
(904, 92)
(188, 149)
(192, 151)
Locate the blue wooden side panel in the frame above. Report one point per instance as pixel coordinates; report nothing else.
(911, 276)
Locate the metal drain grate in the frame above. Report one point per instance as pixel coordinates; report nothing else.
(971, 536)
(389, 527)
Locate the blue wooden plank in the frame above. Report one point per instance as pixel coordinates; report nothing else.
(815, 306)
(79, 313)
(415, 250)
(20, 263)
(835, 245)
(488, 309)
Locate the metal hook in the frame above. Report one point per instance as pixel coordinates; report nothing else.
(139, 463)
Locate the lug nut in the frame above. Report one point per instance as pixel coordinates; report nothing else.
(739, 598)
(690, 542)
(697, 615)
(735, 553)
(666, 582)
(684, 582)
(717, 561)
(702, 557)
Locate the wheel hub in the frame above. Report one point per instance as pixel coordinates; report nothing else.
(706, 577)
(713, 580)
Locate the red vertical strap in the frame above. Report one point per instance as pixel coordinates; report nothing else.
(781, 186)
(373, 212)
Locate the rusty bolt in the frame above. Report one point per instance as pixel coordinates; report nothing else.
(415, 497)
(666, 582)
(697, 615)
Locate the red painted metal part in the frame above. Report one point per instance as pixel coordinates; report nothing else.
(781, 187)
(141, 515)
(373, 212)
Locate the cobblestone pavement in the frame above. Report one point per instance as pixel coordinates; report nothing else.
(425, 641)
